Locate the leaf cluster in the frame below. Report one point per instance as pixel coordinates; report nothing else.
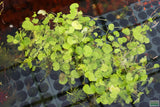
(69, 46)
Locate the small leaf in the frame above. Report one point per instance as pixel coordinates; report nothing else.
(56, 66)
(111, 27)
(15, 41)
(116, 33)
(10, 38)
(63, 79)
(150, 80)
(143, 60)
(126, 31)
(27, 24)
(70, 40)
(71, 29)
(42, 12)
(26, 41)
(66, 46)
(86, 39)
(111, 38)
(107, 48)
(129, 77)
(156, 66)
(99, 42)
(90, 76)
(95, 34)
(41, 56)
(122, 40)
(117, 51)
(79, 50)
(21, 47)
(150, 19)
(87, 51)
(75, 74)
(35, 21)
(76, 25)
(91, 23)
(74, 6)
(46, 20)
(89, 89)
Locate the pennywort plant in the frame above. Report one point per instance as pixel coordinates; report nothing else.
(64, 42)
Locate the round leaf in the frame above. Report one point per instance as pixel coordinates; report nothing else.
(76, 25)
(75, 74)
(87, 51)
(111, 27)
(56, 66)
(89, 89)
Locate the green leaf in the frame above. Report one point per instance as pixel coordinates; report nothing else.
(126, 31)
(46, 21)
(150, 19)
(41, 56)
(29, 62)
(76, 25)
(26, 41)
(10, 38)
(74, 6)
(111, 27)
(15, 41)
(65, 67)
(66, 45)
(75, 74)
(116, 33)
(143, 60)
(71, 41)
(27, 24)
(33, 51)
(117, 51)
(122, 40)
(156, 66)
(27, 52)
(79, 50)
(56, 66)
(114, 91)
(136, 77)
(89, 89)
(144, 77)
(53, 56)
(100, 89)
(71, 29)
(91, 23)
(86, 39)
(150, 80)
(87, 51)
(141, 49)
(97, 53)
(98, 75)
(67, 57)
(21, 47)
(35, 21)
(99, 42)
(95, 34)
(107, 48)
(34, 15)
(90, 76)
(111, 38)
(129, 77)
(115, 44)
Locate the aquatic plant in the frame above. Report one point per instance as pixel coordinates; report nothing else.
(69, 43)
